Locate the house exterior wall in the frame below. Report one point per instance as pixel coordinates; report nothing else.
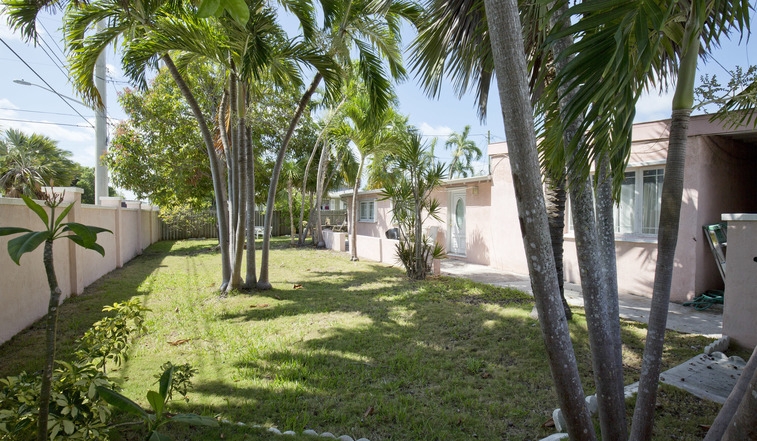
(24, 293)
(740, 306)
(383, 215)
(718, 178)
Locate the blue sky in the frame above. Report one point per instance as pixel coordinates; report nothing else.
(31, 109)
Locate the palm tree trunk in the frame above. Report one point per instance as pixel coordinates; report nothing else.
(239, 182)
(290, 190)
(667, 237)
(603, 327)
(263, 282)
(743, 425)
(353, 212)
(555, 198)
(50, 333)
(250, 273)
(301, 238)
(509, 59)
(323, 161)
(597, 278)
(318, 140)
(215, 173)
(420, 262)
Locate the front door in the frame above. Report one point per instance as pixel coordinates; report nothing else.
(457, 223)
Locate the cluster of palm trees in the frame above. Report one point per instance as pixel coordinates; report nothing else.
(582, 68)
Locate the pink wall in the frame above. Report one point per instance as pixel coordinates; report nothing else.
(719, 177)
(740, 307)
(24, 291)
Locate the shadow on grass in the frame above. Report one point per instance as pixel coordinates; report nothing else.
(357, 349)
(77, 314)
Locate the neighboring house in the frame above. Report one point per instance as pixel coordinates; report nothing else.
(480, 218)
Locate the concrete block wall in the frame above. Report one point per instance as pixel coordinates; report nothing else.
(24, 292)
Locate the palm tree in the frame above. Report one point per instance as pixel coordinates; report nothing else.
(369, 133)
(455, 39)
(28, 162)
(292, 172)
(416, 174)
(509, 58)
(676, 31)
(370, 28)
(464, 152)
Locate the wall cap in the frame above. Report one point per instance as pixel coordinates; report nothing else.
(736, 217)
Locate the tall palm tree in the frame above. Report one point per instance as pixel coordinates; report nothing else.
(28, 162)
(464, 152)
(369, 133)
(85, 42)
(508, 54)
(674, 34)
(445, 45)
(370, 29)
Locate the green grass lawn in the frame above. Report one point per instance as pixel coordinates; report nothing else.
(358, 349)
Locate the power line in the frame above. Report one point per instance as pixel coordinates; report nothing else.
(57, 61)
(49, 33)
(44, 122)
(44, 81)
(38, 111)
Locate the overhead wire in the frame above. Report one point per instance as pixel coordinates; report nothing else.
(37, 111)
(45, 81)
(44, 122)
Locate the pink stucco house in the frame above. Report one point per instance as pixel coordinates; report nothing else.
(480, 219)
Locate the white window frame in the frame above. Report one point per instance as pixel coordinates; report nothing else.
(372, 216)
(636, 234)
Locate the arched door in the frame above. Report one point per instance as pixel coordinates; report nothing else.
(456, 223)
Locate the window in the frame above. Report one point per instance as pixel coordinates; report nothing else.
(639, 209)
(368, 211)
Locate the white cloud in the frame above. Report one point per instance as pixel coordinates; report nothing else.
(653, 106)
(431, 131)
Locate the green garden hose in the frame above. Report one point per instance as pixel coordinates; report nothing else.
(706, 300)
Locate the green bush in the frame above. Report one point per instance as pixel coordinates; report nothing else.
(76, 410)
(110, 338)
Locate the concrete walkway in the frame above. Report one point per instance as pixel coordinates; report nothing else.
(680, 318)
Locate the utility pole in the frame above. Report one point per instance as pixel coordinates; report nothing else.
(101, 128)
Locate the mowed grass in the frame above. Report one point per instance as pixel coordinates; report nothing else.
(347, 347)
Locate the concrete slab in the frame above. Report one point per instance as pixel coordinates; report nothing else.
(711, 377)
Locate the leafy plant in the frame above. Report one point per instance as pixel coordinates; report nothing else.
(84, 236)
(110, 338)
(75, 410)
(158, 416)
(181, 381)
